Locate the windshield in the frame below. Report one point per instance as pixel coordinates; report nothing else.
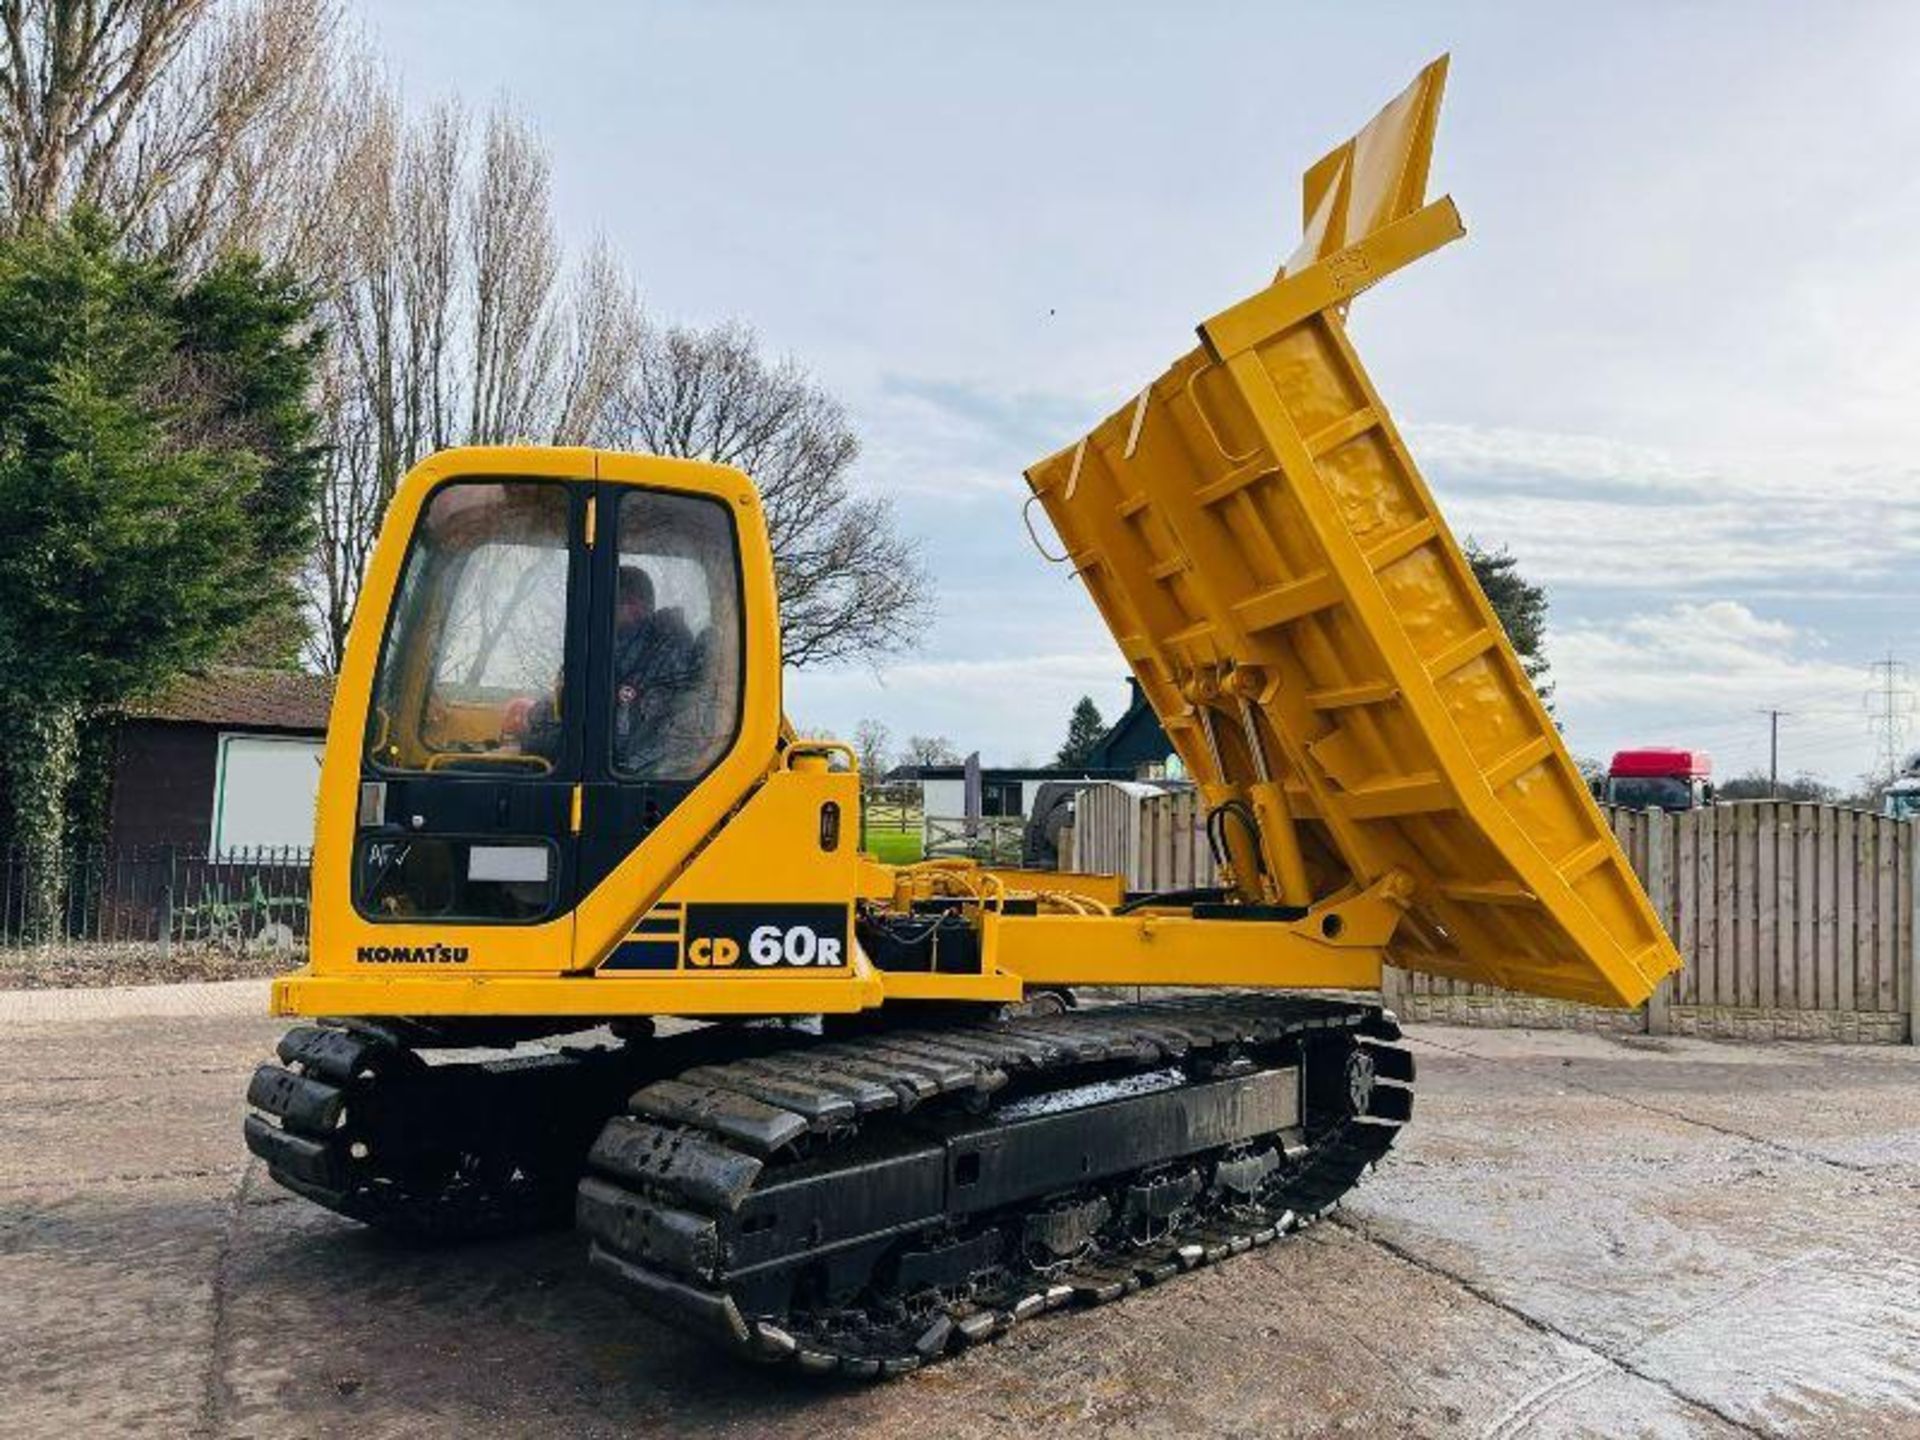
(1663, 792)
(470, 674)
(1903, 804)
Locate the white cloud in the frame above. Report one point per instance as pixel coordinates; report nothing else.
(1700, 674)
(1720, 648)
(1681, 547)
(958, 438)
(1482, 450)
(1591, 511)
(1503, 457)
(1021, 674)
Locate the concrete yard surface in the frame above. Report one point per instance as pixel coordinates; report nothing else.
(1578, 1236)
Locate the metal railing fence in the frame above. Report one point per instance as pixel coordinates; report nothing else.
(155, 894)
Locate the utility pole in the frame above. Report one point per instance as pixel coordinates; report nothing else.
(1773, 751)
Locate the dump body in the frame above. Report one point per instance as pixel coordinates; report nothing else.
(1276, 572)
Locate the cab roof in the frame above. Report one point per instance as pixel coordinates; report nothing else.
(1657, 761)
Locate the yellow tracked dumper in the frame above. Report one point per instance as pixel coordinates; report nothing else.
(559, 800)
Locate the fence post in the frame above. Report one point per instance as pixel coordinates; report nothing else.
(1660, 891)
(166, 908)
(249, 910)
(1393, 990)
(1913, 943)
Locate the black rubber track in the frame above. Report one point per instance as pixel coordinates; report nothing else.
(669, 1183)
(355, 1119)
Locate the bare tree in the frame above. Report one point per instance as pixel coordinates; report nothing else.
(930, 750)
(851, 585)
(452, 321)
(391, 272)
(513, 265)
(873, 745)
(193, 125)
(75, 80)
(604, 334)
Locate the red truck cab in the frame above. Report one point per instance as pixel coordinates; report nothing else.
(1659, 778)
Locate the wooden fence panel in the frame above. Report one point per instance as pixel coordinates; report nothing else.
(1704, 888)
(1766, 900)
(1859, 936)
(1873, 906)
(1101, 822)
(1885, 916)
(1806, 871)
(1727, 970)
(1907, 964)
(1199, 854)
(1844, 912)
(1826, 920)
(1902, 837)
(1686, 914)
(1778, 908)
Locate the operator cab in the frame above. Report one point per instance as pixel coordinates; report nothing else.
(1657, 778)
(527, 673)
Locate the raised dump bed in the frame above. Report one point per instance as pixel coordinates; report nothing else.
(1255, 533)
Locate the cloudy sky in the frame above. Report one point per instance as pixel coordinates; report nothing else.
(1673, 367)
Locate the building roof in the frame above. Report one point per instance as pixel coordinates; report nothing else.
(1136, 738)
(242, 698)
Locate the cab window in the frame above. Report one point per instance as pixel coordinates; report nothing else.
(470, 676)
(676, 643)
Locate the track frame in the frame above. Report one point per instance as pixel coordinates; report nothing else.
(868, 1206)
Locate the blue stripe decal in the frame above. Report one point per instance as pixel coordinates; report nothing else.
(645, 955)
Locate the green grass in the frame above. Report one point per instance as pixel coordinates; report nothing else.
(894, 847)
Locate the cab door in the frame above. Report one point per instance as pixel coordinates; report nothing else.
(666, 652)
(683, 681)
(473, 743)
